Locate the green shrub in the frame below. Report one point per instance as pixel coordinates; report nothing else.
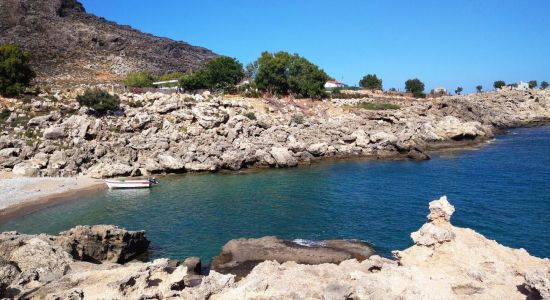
(139, 79)
(458, 90)
(533, 84)
(98, 100)
(283, 74)
(377, 106)
(371, 82)
(479, 88)
(15, 71)
(416, 87)
(544, 85)
(250, 115)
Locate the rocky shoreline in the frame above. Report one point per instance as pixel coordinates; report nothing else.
(445, 262)
(51, 135)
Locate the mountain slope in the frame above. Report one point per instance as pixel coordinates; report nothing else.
(70, 45)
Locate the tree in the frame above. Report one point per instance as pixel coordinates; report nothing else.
(99, 100)
(458, 90)
(15, 71)
(499, 84)
(221, 73)
(544, 85)
(251, 70)
(139, 79)
(371, 82)
(416, 87)
(533, 84)
(283, 74)
(479, 88)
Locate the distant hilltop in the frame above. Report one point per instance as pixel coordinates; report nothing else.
(70, 45)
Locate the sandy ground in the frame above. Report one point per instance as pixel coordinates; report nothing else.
(21, 194)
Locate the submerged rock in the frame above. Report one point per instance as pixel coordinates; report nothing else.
(240, 256)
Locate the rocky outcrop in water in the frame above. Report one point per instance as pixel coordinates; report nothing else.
(157, 133)
(70, 45)
(461, 265)
(240, 256)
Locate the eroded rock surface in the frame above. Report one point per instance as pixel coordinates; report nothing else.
(240, 256)
(159, 133)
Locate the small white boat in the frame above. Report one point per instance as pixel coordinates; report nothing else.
(123, 183)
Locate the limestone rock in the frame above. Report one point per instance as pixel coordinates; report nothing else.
(430, 234)
(318, 149)
(240, 256)
(103, 243)
(36, 255)
(103, 170)
(441, 210)
(54, 133)
(25, 169)
(283, 157)
(168, 162)
(538, 280)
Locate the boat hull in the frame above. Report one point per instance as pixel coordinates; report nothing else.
(128, 184)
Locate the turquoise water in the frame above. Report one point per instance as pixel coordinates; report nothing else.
(501, 190)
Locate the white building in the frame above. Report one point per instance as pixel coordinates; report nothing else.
(331, 84)
(520, 86)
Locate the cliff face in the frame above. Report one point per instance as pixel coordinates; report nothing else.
(70, 45)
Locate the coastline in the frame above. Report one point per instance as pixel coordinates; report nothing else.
(60, 190)
(26, 195)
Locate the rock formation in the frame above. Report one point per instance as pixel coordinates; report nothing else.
(240, 256)
(52, 135)
(461, 264)
(69, 45)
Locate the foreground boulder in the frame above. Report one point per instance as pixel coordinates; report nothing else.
(240, 256)
(103, 243)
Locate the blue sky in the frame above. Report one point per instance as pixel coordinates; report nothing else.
(443, 43)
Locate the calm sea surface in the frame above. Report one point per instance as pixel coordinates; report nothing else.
(501, 190)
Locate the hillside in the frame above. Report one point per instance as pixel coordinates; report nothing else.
(70, 45)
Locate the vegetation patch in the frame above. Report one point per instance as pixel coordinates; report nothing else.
(15, 71)
(98, 100)
(250, 115)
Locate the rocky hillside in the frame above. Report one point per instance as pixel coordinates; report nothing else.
(156, 133)
(445, 262)
(70, 45)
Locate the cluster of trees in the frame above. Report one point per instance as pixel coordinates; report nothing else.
(278, 73)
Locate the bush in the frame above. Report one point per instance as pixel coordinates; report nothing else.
(533, 84)
(250, 115)
(99, 100)
(479, 88)
(377, 106)
(416, 87)
(284, 74)
(222, 73)
(544, 85)
(371, 82)
(139, 80)
(499, 84)
(15, 71)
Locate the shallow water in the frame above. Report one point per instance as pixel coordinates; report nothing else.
(501, 190)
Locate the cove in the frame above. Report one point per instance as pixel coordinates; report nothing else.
(501, 190)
